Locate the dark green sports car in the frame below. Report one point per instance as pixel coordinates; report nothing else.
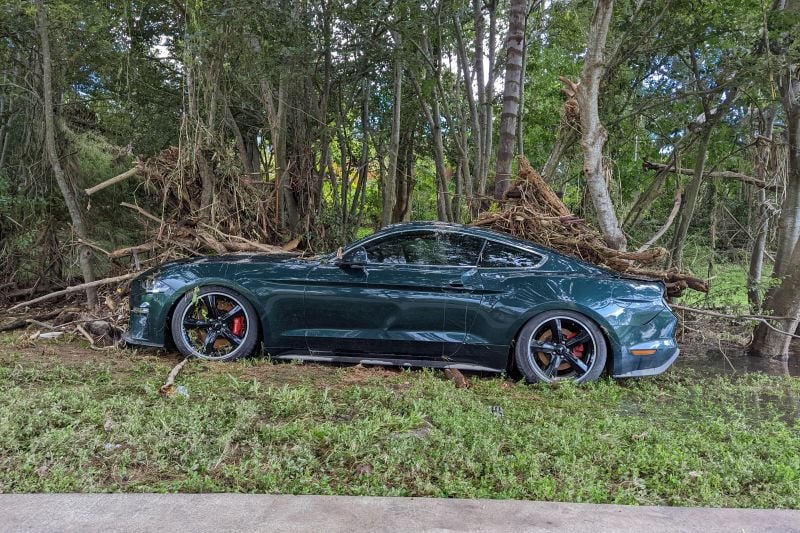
(418, 294)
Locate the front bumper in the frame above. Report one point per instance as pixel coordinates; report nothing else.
(149, 313)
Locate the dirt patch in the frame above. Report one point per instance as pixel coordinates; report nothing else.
(72, 353)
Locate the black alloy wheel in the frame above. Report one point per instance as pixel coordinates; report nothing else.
(561, 346)
(214, 323)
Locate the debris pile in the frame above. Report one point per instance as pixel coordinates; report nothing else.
(534, 212)
(240, 218)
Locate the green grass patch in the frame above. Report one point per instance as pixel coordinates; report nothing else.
(69, 423)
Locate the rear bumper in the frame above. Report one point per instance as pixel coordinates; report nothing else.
(665, 358)
(656, 336)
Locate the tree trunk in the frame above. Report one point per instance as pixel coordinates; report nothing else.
(487, 97)
(475, 122)
(784, 303)
(405, 179)
(690, 200)
(565, 138)
(443, 203)
(511, 97)
(789, 219)
(760, 227)
(784, 299)
(594, 134)
(390, 182)
(78, 224)
(480, 167)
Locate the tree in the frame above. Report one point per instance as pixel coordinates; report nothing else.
(511, 96)
(784, 300)
(70, 196)
(593, 132)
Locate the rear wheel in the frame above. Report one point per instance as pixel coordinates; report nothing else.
(214, 323)
(561, 346)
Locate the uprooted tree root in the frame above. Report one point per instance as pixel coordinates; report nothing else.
(534, 212)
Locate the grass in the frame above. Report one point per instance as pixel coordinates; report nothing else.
(76, 420)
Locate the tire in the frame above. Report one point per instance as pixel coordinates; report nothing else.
(546, 352)
(214, 323)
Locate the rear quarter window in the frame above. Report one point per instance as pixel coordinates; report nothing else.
(496, 255)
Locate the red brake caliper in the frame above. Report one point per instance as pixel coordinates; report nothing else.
(238, 326)
(578, 350)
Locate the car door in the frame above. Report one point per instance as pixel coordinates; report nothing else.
(408, 293)
(337, 321)
(463, 288)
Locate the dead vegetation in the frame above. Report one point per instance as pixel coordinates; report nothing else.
(534, 212)
(241, 219)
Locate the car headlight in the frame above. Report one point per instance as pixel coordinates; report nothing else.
(154, 286)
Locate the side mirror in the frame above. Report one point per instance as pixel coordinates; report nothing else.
(354, 259)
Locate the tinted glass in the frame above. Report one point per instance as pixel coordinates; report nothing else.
(409, 248)
(426, 248)
(460, 250)
(501, 256)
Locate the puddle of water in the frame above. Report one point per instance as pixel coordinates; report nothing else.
(731, 361)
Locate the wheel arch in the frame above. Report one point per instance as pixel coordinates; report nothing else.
(612, 340)
(210, 282)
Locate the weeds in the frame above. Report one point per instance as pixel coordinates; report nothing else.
(680, 439)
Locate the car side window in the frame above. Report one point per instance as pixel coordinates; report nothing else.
(426, 248)
(417, 248)
(460, 250)
(496, 255)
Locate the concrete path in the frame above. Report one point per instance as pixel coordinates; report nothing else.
(244, 512)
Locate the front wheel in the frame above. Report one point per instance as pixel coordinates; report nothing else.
(560, 346)
(214, 323)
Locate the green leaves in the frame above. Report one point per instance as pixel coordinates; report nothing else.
(680, 439)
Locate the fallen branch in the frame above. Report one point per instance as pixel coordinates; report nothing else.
(169, 386)
(724, 174)
(75, 288)
(93, 246)
(764, 319)
(85, 333)
(124, 252)
(109, 182)
(142, 212)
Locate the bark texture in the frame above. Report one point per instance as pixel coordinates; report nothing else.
(390, 179)
(70, 198)
(760, 227)
(593, 132)
(511, 97)
(784, 300)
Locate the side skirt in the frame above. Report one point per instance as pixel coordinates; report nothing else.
(405, 363)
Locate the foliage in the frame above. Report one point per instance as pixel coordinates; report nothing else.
(680, 439)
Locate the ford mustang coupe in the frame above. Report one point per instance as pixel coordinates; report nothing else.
(419, 294)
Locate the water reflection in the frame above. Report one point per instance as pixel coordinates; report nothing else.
(754, 407)
(731, 361)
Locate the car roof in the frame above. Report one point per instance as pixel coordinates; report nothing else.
(461, 228)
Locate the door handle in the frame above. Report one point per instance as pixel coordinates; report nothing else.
(456, 286)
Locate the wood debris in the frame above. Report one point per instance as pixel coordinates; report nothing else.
(535, 213)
